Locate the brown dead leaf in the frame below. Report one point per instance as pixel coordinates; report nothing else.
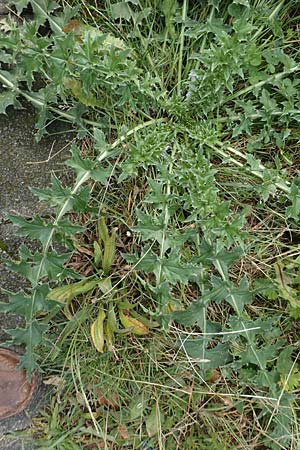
(123, 432)
(54, 381)
(111, 401)
(216, 374)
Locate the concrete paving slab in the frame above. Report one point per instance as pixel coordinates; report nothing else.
(24, 163)
(3, 7)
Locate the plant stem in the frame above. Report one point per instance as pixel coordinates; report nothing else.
(281, 185)
(271, 79)
(180, 61)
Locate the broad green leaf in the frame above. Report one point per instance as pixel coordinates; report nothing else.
(137, 407)
(19, 4)
(260, 356)
(102, 230)
(207, 359)
(172, 270)
(109, 253)
(110, 326)
(67, 228)
(100, 140)
(97, 331)
(153, 421)
(149, 227)
(64, 294)
(8, 98)
(25, 305)
(56, 195)
(35, 266)
(121, 10)
(100, 173)
(36, 228)
(80, 165)
(284, 361)
(293, 211)
(30, 336)
(195, 313)
(97, 254)
(220, 257)
(236, 295)
(250, 329)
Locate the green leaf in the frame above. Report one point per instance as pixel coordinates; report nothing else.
(80, 165)
(137, 407)
(64, 294)
(284, 361)
(111, 326)
(31, 336)
(236, 296)
(194, 313)
(101, 173)
(24, 305)
(149, 227)
(121, 10)
(67, 228)
(35, 228)
(250, 329)
(293, 211)
(56, 195)
(207, 359)
(259, 356)
(35, 266)
(19, 5)
(97, 254)
(220, 257)
(109, 252)
(97, 330)
(8, 98)
(153, 421)
(172, 270)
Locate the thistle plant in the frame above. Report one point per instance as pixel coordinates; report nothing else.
(187, 101)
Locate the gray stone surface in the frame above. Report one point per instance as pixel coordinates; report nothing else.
(23, 163)
(3, 7)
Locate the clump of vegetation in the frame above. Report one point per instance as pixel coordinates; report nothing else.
(170, 321)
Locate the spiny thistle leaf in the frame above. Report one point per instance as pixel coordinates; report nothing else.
(36, 228)
(21, 303)
(236, 296)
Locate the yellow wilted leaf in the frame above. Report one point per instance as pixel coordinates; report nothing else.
(127, 321)
(97, 332)
(148, 323)
(64, 294)
(110, 326)
(75, 86)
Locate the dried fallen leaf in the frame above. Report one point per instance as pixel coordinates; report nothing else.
(54, 381)
(123, 432)
(112, 400)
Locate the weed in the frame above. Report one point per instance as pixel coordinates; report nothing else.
(193, 112)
